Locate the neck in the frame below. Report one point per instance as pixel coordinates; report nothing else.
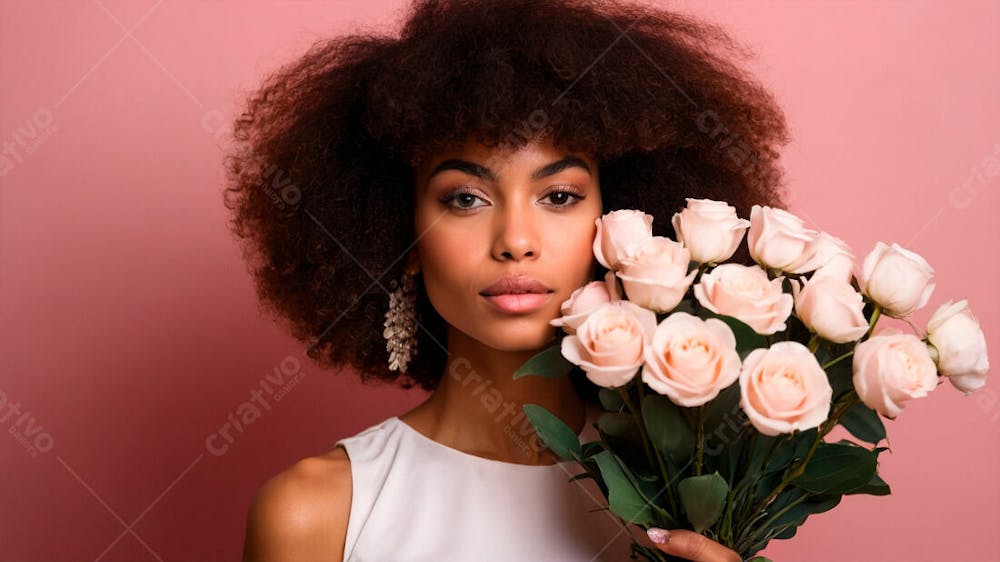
(477, 407)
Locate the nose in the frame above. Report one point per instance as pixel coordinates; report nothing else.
(516, 234)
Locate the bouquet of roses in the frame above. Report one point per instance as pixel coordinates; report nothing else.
(720, 380)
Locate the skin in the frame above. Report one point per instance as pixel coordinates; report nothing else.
(511, 221)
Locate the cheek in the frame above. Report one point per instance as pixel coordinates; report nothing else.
(445, 262)
(576, 251)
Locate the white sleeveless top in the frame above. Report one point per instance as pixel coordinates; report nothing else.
(416, 499)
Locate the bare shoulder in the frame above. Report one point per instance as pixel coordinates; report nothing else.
(302, 512)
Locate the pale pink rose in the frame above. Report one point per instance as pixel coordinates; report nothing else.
(709, 229)
(745, 293)
(831, 257)
(959, 346)
(779, 240)
(654, 273)
(617, 231)
(891, 368)
(583, 300)
(690, 360)
(899, 280)
(783, 388)
(839, 267)
(831, 308)
(614, 286)
(609, 345)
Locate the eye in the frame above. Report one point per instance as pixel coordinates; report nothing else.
(566, 197)
(462, 195)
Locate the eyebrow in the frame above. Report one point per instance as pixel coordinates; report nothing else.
(485, 173)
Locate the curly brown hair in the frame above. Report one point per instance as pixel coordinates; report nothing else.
(320, 176)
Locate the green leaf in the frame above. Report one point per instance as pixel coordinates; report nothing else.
(724, 412)
(758, 455)
(760, 559)
(684, 306)
(875, 487)
(789, 495)
(554, 434)
(788, 533)
(841, 377)
(617, 424)
(623, 499)
(591, 448)
(863, 423)
(724, 420)
(549, 364)
(611, 400)
(723, 415)
(747, 339)
(729, 457)
(704, 499)
(797, 514)
(667, 429)
(837, 468)
(794, 447)
(769, 481)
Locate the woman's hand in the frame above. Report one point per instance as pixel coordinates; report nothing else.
(691, 546)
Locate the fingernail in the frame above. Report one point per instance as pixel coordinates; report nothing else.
(658, 535)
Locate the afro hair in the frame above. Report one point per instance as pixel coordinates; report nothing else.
(321, 169)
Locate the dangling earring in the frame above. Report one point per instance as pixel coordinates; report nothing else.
(401, 323)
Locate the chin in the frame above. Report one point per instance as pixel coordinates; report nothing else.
(519, 336)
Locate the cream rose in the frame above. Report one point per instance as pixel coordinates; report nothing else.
(831, 308)
(783, 388)
(839, 267)
(617, 231)
(959, 347)
(709, 229)
(890, 368)
(585, 299)
(831, 257)
(690, 360)
(899, 280)
(654, 273)
(609, 345)
(779, 240)
(745, 293)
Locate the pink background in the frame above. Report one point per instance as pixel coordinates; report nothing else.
(130, 329)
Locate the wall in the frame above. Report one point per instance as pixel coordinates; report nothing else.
(129, 330)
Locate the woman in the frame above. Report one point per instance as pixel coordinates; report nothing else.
(428, 179)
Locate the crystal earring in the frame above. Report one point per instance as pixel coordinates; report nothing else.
(401, 323)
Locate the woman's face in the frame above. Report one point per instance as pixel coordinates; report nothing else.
(482, 214)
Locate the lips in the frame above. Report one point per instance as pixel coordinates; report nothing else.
(515, 284)
(517, 294)
(518, 303)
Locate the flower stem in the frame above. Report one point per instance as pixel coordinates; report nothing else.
(701, 271)
(841, 406)
(835, 361)
(645, 443)
(699, 421)
(623, 391)
(664, 472)
(875, 316)
(813, 343)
